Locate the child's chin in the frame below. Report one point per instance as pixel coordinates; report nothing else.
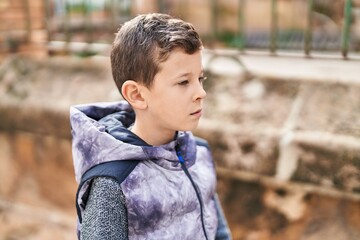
(190, 128)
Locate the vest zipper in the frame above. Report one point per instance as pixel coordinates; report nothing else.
(196, 188)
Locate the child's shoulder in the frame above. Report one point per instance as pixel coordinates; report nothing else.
(201, 142)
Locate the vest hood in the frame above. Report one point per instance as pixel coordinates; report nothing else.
(100, 134)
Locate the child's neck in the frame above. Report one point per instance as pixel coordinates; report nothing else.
(152, 136)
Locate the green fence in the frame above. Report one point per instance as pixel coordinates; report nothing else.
(95, 22)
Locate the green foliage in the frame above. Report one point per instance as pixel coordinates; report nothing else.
(230, 39)
(85, 54)
(78, 8)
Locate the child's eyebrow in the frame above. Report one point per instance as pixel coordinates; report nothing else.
(184, 75)
(187, 74)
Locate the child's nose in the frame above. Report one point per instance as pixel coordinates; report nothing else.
(200, 93)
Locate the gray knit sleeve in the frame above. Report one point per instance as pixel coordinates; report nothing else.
(105, 215)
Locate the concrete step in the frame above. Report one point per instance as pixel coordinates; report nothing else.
(328, 68)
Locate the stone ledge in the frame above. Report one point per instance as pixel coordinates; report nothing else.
(33, 118)
(36, 95)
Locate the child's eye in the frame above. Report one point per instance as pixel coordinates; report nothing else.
(202, 79)
(183, 83)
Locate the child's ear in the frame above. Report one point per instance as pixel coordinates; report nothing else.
(132, 93)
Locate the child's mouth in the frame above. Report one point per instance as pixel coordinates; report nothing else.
(197, 113)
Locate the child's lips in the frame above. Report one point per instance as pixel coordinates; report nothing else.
(197, 113)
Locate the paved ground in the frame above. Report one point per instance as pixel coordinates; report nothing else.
(329, 68)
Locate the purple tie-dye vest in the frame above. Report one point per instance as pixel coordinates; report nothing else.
(161, 201)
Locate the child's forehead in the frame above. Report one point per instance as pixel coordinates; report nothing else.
(180, 63)
(179, 55)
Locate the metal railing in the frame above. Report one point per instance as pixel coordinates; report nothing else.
(71, 19)
(274, 29)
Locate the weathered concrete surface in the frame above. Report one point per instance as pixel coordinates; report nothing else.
(26, 221)
(319, 67)
(281, 110)
(249, 115)
(42, 91)
(36, 170)
(265, 213)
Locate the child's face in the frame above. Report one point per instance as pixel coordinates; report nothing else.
(175, 99)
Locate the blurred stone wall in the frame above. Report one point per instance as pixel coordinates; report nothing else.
(37, 190)
(22, 27)
(38, 187)
(34, 105)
